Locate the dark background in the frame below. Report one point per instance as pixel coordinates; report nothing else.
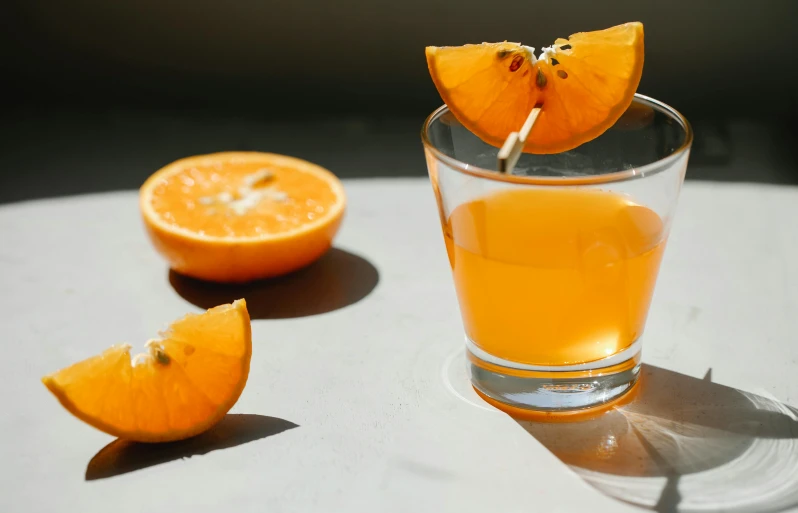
(98, 94)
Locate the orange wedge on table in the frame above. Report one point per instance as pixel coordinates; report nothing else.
(183, 385)
(241, 216)
(583, 84)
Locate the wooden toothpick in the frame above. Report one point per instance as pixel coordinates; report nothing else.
(512, 147)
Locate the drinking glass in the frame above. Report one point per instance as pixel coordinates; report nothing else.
(555, 264)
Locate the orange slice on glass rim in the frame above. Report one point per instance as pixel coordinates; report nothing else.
(583, 84)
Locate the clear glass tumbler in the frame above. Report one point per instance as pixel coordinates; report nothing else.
(555, 264)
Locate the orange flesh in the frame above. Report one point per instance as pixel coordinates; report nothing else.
(181, 387)
(288, 199)
(554, 277)
(492, 87)
(235, 217)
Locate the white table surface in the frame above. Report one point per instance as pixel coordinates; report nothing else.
(357, 399)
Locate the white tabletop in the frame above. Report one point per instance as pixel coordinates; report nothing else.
(357, 399)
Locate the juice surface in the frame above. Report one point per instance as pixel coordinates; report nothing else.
(554, 277)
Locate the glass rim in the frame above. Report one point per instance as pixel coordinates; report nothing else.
(649, 169)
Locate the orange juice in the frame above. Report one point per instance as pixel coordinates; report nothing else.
(554, 277)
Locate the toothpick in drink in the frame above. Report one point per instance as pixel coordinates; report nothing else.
(514, 144)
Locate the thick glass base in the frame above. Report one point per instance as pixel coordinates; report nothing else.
(553, 388)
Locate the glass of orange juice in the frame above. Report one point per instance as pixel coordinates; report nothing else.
(555, 264)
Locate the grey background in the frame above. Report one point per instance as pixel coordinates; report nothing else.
(101, 94)
(361, 403)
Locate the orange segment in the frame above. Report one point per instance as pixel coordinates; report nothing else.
(183, 385)
(236, 217)
(582, 84)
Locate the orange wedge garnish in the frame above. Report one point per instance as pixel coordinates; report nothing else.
(582, 84)
(236, 217)
(183, 385)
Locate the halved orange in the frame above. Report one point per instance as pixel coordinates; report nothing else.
(582, 84)
(183, 385)
(241, 216)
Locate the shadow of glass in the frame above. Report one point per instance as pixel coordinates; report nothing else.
(122, 456)
(336, 280)
(685, 444)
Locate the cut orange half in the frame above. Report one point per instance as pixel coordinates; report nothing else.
(582, 84)
(183, 385)
(237, 217)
